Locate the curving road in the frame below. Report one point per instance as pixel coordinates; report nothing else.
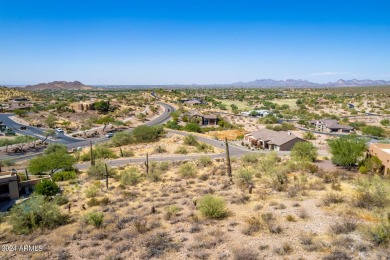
(70, 142)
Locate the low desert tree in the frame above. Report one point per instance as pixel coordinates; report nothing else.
(51, 121)
(20, 112)
(385, 122)
(48, 133)
(105, 121)
(173, 124)
(146, 133)
(191, 140)
(212, 207)
(34, 213)
(122, 138)
(304, 151)
(347, 151)
(47, 188)
(193, 127)
(55, 157)
(102, 106)
(309, 136)
(374, 131)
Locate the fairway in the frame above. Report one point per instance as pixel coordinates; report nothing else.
(290, 102)
(242, 105)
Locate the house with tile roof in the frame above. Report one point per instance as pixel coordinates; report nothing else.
(272, 140)
(330, 125)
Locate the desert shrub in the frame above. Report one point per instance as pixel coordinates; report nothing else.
(212, 207)
(157, 244)
(160, 149)
(332, 198)
(244, 177)
(181, 150)
(344, 226)
(205, 161)
(103, 152)
(193, 127)
(7, 162)
(91, 191)
(304, 151)
(146, 133)
(188, 170)
(290, 218)
(98, 171)
(47, 188)
(127, 153)
(122, 138)
(3, 216)
(191, 140)
(245, 253)
(253, 225)
(380, 233)
(64, 176)
(95, 218)
(141, 225)
(60, 200)
(371, 192)
(337, 255)
(202, 147)
(250, 158)
(93, 202)
(34, 213)
(171, 211)
(284, 249)
(130, 176)
(155, 175)
(309, 136)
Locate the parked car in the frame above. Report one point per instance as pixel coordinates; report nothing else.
(109, 135)
(23, 128)
(59, 130)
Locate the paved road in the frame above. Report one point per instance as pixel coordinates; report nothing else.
(70, 142)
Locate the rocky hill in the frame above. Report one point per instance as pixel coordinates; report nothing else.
(60, 85)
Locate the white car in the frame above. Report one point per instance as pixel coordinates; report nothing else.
(59, 130)
(109, 135)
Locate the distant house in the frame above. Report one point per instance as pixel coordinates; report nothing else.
(83, 105)
(260, 113)
(330, 125)
(15, 105)
(193, 102)
(272, 140)
(203, 120)
(382, 151)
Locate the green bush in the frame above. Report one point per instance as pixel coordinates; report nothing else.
(193, 127)
(212, 207)
(191, 140)
(130, 177)
(91, 191)
(205, 161)
(64, 176)
(103, 152)
(146, 133)
(47, 188)
(309, 136)
(304, 151)
(372, 192)
(250, 158)
(244, 177)
(181, 150)
(171, 211)
(380, 233)
(60, 200)
(95, 218)
(188, 170)
(122, 138)
(98, 171)
(36, 212)
(374, 131)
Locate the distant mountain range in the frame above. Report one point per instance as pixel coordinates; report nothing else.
(305, 83)
(59, 85)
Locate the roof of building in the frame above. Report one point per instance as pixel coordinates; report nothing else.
(274, 137)
(331, 124)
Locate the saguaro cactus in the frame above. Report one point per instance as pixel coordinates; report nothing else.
(147, 163)
(228, 164)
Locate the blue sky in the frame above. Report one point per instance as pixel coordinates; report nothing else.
(185, 42)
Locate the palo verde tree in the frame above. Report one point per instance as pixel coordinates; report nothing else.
(55, 157)
(347, 151)
(105, 121)
(304, 151)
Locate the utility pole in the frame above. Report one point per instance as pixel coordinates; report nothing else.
(105, 165)
(147, 163)
(229, 166)
(92, 159)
